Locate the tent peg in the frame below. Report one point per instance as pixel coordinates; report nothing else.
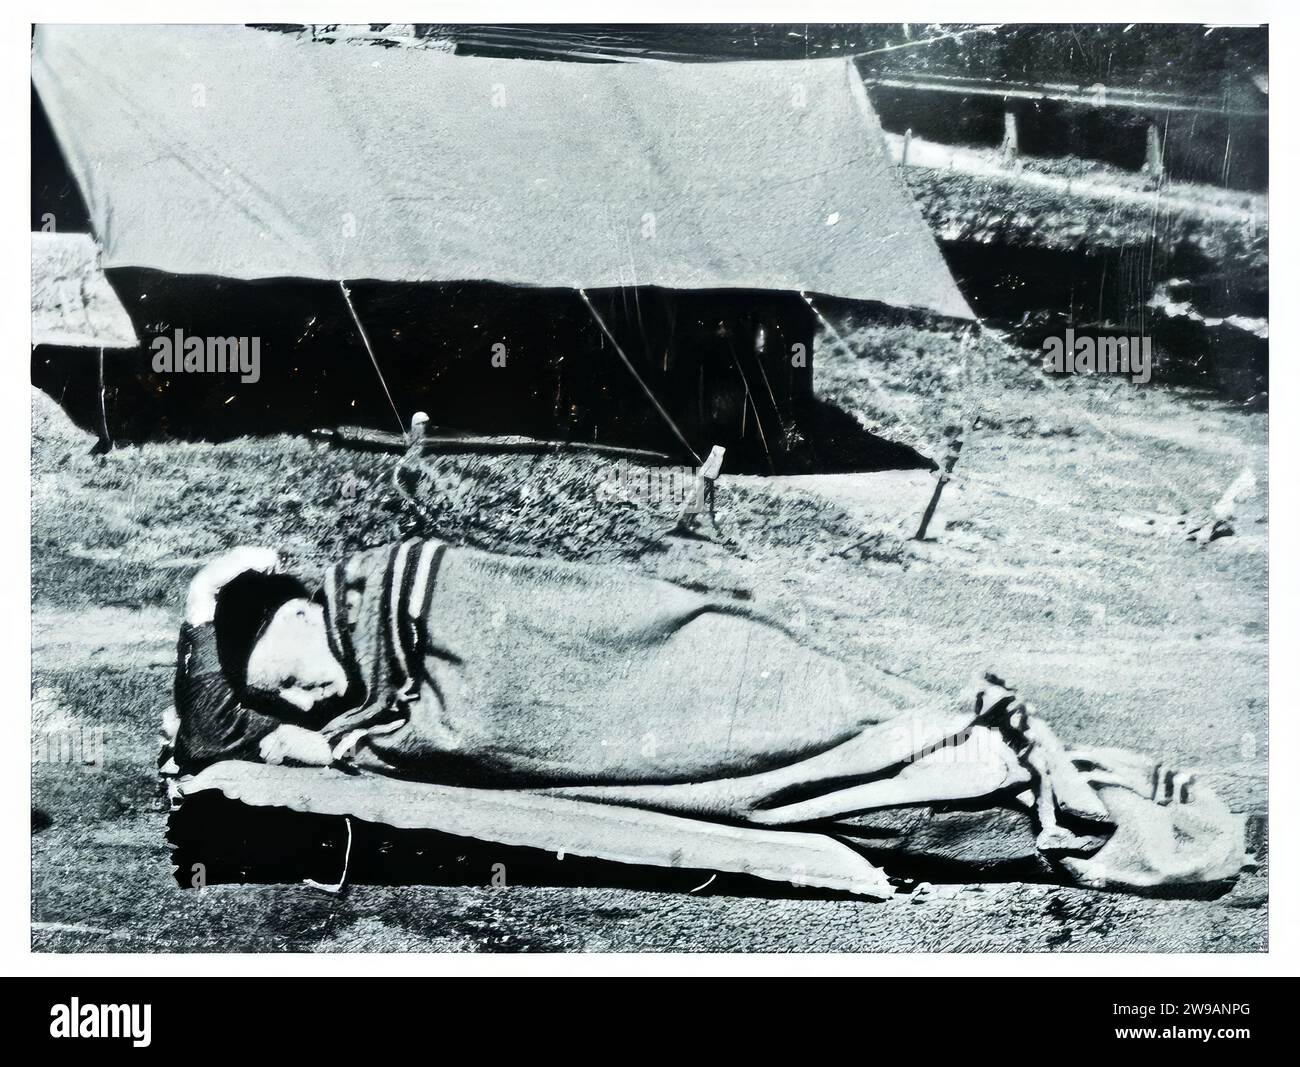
(700, 500)
(945, 475)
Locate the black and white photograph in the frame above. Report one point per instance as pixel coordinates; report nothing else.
(649, 487)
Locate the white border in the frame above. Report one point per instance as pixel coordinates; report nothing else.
(1284, 690)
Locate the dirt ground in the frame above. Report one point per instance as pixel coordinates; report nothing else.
(1059, 556)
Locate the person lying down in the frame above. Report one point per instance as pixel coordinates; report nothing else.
(447, 664)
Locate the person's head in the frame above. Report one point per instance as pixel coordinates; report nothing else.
(272, 641)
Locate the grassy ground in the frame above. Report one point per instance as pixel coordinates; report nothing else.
(1059, 555)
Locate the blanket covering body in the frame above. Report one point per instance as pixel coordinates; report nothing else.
(477, 669)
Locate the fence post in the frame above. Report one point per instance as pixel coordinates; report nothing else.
(1010, 135)
(1155, 162)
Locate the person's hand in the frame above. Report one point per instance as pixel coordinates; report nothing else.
(293, 744)
(201, 601)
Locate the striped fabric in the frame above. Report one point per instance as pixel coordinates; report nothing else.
(390, 682)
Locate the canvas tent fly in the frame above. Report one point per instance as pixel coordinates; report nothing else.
(240, 159)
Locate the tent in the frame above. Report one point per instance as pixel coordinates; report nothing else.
(236, 178)
(228, 151)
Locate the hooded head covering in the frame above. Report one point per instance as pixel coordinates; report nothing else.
(245, 606)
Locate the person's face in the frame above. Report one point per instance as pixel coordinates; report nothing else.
(292, 659)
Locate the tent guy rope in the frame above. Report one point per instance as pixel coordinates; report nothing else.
(639, 380)
(347, 298)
